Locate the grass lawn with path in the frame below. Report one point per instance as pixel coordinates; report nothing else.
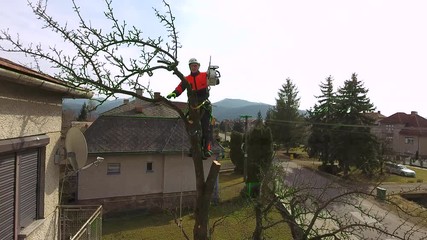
(239, 221)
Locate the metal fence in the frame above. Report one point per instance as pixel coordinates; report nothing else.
(80, 222)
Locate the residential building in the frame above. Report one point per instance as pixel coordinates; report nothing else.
(146, 165)
(30, 138)
(376, 117)
(405, 135)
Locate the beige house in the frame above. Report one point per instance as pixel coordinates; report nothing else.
(146, 162)
(405, 134)
(30, 132)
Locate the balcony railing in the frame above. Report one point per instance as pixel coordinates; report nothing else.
(80, 222)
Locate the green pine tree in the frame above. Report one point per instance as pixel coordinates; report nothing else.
(83, 113)
(260, 151)
(236, 152)
(353, 143)
(285, 119)
(321, 119)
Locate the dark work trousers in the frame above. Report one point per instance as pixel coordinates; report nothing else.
(205, 121)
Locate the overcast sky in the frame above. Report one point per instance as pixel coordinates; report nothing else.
(258, 44)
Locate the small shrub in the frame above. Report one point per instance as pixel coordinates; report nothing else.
(331, 169)
(419, 180)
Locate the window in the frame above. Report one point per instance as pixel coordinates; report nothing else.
(21, 183)
(149, 167)
(389, 128)
(409, 140)
(113, 168)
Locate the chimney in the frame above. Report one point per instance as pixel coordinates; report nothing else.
(156, 95)
(126, 101)
(379, 112)
(414, 113)
(138, 102)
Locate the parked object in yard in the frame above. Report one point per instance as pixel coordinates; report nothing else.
(399, 169)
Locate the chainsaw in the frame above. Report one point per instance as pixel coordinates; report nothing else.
(213, 74)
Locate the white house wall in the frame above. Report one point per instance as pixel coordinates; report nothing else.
(27, 112)
(94, 182)
(171, 173)
(179, 173)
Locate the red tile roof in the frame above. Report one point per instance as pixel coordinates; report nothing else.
(414, 124)
(18, 74)
(408, 120)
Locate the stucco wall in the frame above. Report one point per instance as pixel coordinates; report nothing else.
(94, 182)
(180, 175)
(170, 174)
(25, 112)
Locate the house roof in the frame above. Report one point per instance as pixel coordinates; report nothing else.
(16, 73)
(376, 116)
(157, 129)
(414, 124)
(128, 134)
(148, 110)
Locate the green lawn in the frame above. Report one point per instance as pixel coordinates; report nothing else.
(238, 224)
(421, 176)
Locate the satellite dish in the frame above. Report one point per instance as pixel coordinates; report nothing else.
(76, 147)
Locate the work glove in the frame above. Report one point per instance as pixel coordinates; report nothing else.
(171, 95)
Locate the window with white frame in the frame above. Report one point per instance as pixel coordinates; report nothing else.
(409, 140)
(113, 168)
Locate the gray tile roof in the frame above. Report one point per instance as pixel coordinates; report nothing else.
(148, 110)
(128, 134)
(157, 129)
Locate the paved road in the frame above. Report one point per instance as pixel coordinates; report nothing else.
(352, 209)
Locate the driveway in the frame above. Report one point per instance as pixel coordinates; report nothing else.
(352, 209)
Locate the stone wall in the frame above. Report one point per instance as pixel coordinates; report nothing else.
(151, 202)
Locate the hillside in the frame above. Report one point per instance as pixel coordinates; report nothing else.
(234, 108)
(224, 109)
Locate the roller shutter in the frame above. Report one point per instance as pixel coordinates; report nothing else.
(7, 196)
(28, 173)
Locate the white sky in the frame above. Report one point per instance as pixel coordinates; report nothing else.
(258, 44)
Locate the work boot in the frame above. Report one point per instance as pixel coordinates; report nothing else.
(206, 154)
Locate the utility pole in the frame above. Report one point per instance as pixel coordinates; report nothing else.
(245, 163)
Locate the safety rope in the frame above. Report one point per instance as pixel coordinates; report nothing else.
(199, 106)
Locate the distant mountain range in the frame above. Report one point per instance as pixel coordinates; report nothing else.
(225, 109)
(234, 108)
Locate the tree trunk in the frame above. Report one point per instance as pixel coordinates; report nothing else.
(257, 234)
(204, 188)
(204, 196)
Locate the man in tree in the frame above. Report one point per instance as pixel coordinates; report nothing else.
(199, 84)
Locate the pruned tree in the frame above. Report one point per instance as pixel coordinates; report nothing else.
(315, 207)
(94, 60)
(260, 157)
